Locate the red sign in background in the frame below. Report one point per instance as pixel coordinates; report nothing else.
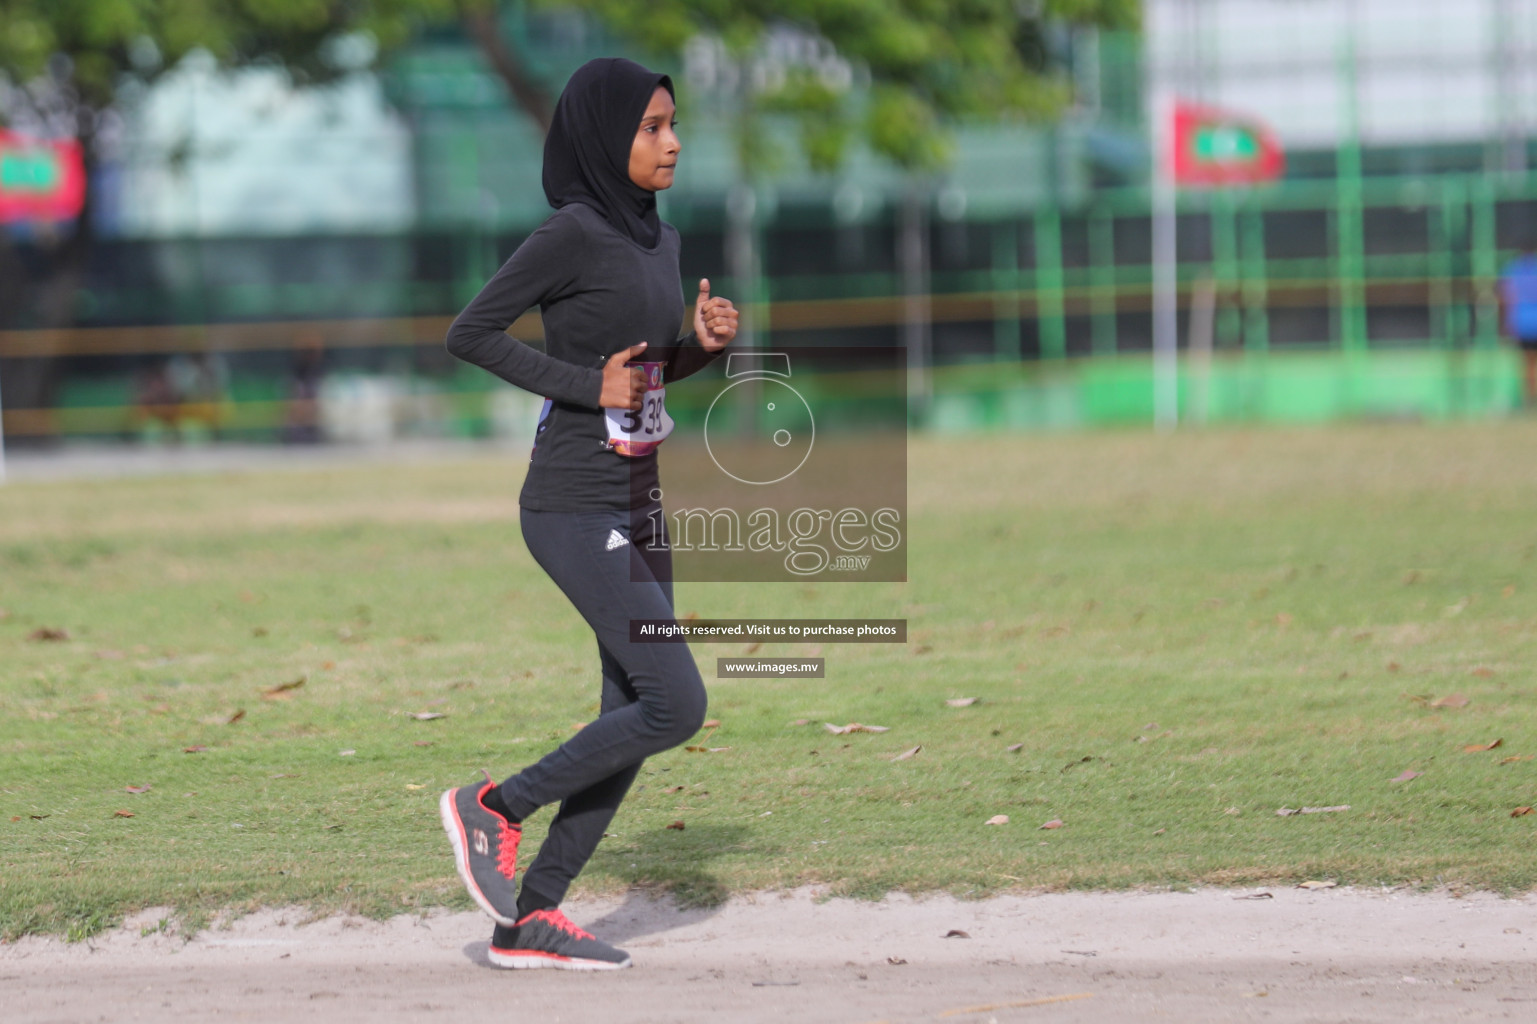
(1216, 147)
(40, 179)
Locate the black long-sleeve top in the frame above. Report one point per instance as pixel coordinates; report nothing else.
(599, 292)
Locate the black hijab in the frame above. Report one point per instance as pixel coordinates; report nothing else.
(587, 152)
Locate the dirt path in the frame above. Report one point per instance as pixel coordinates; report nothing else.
(1332, 955)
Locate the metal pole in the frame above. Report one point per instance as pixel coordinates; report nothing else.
(917, 314)
(1165, 264)
(1005, 282)
(1048, 282)
(1102, 281)
(1508, 91)
(1203, 323)
(2, 432)
(1349, 230)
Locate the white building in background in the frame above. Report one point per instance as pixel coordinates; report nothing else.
(206, 152)
(1393, 72)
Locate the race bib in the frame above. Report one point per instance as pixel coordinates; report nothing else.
(639, 431)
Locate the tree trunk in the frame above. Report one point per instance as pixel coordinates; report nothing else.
(527, 93)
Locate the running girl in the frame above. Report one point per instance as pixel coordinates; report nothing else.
(604, 272)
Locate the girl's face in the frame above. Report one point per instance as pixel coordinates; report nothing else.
(654, 154)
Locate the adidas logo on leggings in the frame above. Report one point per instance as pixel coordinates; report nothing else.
(616, 540)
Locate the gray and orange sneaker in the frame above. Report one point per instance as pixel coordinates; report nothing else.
(548, 939)
(485, 849)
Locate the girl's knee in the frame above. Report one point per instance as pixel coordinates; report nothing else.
(676, 714)
(691, 713)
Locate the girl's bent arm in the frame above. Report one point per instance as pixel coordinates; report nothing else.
(687, 357)
(543, 268)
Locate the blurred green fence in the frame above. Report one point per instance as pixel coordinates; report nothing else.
(1303, 301)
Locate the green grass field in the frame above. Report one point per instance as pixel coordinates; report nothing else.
(1185, 634)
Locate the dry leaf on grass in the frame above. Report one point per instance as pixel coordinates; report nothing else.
(673, 789)
(47, 634)
(122, 814)
(136, 790)
(908, 754)
(196, 748)
(426, 716)
(997, 819)
(1315, 884)
(1479, 748)
(1451, 700)
(1513, 758)
(676, 826)
(1053, 823)
(1520, 812)
(960, 702)
(237, 716)
(280, 691)
(844, 730)
(1405, 776)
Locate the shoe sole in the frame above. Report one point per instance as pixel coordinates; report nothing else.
(533, 960)
(455, 829)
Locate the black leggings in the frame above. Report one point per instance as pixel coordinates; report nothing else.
(653, 698)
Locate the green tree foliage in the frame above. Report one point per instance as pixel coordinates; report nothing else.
(927, 62)
(100, 41)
